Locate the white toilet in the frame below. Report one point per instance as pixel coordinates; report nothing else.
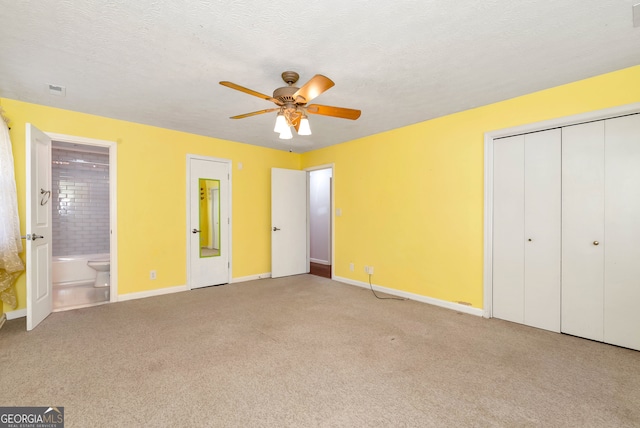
(102, 267)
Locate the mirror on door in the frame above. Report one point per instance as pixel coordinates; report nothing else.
(209, 217)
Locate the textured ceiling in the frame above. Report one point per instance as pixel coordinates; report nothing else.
(158, 62)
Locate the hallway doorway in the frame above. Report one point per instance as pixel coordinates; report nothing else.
(320, 221)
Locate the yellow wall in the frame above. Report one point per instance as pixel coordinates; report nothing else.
(151, 193)
(412, 198)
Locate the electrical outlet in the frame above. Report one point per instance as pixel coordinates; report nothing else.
(152, 274)
(368, 270)
(352, 267)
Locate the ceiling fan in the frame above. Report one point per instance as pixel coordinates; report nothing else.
(292, 104)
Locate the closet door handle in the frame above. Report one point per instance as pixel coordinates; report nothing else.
(596, 243)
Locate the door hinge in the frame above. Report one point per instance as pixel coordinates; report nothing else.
(228, 220)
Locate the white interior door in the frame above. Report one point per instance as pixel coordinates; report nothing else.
(526, 229)
(209, 262)
(583, 230)
(508, 229)
(289, 243)
(622, 229)
(38, 172)
(542, 222)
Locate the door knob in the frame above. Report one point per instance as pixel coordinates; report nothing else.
(275, 229)
(596, 243)
(32, 237)
(195, 231)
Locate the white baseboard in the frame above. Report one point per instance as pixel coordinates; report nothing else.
(417, 297)
(12, 315)
(151, 293)
(320, 262)
(3, 318)
(251, 277)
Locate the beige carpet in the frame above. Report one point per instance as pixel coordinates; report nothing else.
(305, 351)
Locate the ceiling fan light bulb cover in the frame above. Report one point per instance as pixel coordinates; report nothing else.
(281, 124)
(286, 134)
(304, 129)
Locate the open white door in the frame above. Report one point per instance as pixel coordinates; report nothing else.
(39, 285)
(289, 244)
(209, 250)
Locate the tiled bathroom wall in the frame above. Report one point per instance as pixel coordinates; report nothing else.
(80, 202)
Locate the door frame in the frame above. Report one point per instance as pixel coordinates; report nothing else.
(113, 199)
(592, 116)
(332, 235)
(188, 218)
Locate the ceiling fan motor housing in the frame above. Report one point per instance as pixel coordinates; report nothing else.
(285, 94)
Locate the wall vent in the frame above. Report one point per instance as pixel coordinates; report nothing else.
(58, 90)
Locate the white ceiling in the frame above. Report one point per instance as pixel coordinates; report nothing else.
(158, 62)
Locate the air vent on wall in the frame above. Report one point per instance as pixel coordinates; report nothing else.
(58, 90)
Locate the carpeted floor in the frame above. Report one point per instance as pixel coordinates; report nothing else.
(306, 351)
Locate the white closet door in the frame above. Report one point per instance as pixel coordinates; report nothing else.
(583, 230)
(622, 228)
(508, 229)
(526, 225)
(542, 220)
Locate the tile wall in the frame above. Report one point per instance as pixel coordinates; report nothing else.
(80, 198)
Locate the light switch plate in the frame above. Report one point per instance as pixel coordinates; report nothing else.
(636, 15)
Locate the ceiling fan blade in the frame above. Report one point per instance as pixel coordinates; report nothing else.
(344, 113)
(251, 92)
(242, 116)
(314, 87)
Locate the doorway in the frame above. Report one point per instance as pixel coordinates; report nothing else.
(320, 221)
(208, 221)
(80, 209)
(41, 198)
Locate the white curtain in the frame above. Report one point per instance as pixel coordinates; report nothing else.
(10, 244)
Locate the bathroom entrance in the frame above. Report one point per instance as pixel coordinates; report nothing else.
(71, 219)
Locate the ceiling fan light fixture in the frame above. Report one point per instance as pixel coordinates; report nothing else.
(286, 134)
(281, 124)
(304, 129)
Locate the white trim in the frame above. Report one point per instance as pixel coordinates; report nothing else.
(320, 262)
(417, 297)
(113, 199)
(229, 163)
(251, 277)
(488, 177)
(152, 293)
(19, 313)
(331, 166)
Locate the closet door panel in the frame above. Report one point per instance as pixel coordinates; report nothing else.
(583, 230)
(542, 219)
(508, 229)
(622, 229)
